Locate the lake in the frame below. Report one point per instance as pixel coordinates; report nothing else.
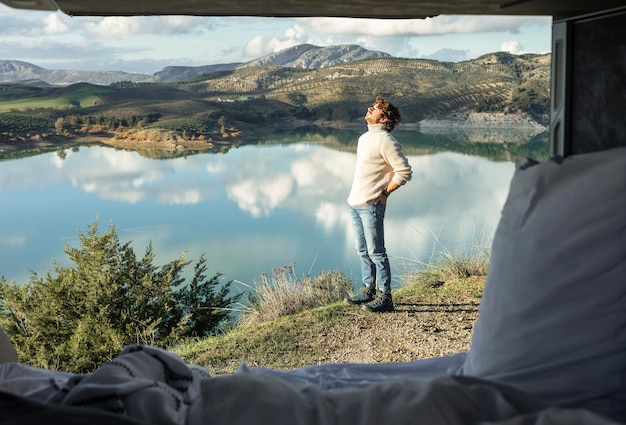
(257, 207)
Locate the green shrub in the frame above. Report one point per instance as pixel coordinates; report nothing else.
(76, 318)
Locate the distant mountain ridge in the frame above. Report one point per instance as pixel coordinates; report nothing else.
(301, 56)
(18, 71)
(314, 57)
(172, 74)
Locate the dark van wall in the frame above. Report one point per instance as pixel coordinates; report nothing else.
(598, 84)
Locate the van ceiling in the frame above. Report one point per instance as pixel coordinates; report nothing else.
(319, 8)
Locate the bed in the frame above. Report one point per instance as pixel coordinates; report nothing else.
(146, 385)
(549, 345)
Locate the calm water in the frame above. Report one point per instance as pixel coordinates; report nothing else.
(254, 208)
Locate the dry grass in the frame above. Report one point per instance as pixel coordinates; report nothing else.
(446, 265)
(282, 294)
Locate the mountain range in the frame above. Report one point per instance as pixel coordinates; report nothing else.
(306, 56)
(245, 100)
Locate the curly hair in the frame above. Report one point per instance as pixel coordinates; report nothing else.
(390, 111)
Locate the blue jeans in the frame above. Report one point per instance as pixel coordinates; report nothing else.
(369, 236)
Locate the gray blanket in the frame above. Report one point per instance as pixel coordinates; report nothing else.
(151, 386)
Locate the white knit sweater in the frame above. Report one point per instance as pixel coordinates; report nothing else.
(379, 160)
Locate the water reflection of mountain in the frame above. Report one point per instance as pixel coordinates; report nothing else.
(506, 144)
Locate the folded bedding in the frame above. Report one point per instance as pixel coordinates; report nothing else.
(147, 385)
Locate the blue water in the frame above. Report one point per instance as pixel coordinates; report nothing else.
(251, 210)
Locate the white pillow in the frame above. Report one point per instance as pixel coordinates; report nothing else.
(552, 318)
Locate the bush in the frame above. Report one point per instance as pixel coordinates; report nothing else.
(77, 318)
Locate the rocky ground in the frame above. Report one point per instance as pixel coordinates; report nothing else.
(434, 324)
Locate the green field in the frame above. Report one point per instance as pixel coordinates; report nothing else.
(21, 98)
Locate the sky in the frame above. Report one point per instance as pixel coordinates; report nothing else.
(147, 44)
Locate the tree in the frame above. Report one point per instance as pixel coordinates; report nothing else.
(76, 318)
(58, 125)
(221, 121)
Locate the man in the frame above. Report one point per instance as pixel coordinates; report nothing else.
(381, 168)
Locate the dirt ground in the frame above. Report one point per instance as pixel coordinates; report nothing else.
(434, 324)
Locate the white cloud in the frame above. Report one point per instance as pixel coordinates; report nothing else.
(512, 47)
(125, 27)
(333, 216)
(444, 24)
(53, 24)
(261, 46)
(16, 23)
(12, 240)
(180, 196)
(256, 47)
(112, 28)
(261, 198)
(49, 51)
(392, 36)
(451, 55)
(146, 44)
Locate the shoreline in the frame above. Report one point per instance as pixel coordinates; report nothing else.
(479, 120)
(458, 122)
